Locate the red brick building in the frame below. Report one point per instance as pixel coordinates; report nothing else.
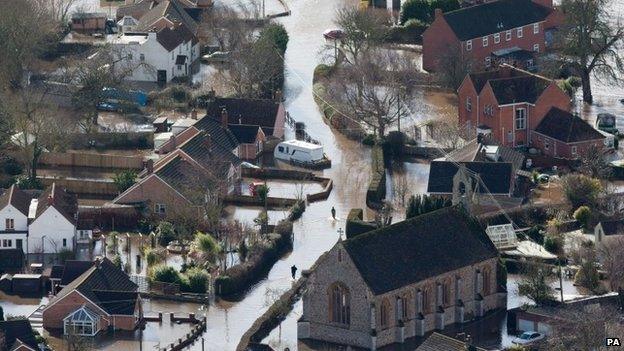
(507, 103)
(501, 29)
(564, 135)
(101, 298)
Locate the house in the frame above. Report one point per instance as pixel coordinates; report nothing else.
(150, 14)
(88, 22)
(563, 135)
(477, 32)
(100, 299)
(440, 342)
(52, 222)
(608, 230)
(17, 335)
(506, 104)
(401, 281)
(14, 204)
(269, 115)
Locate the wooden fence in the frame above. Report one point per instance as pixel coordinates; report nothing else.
(84, 159)
(103, 189)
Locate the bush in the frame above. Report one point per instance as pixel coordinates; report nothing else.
(323, 71)
(587, 276)
(424, 10)
(296, 211)
(117, 261)
(553, 243)
(536, 233)
(165, 233)
(421, 204)
(166, 274)
(124, 180)
(197, 280)
(276, 34)
(369, 140)
(581, 190)
(583, 215)
(393, 145)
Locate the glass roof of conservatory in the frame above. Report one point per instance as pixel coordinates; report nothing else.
(83, 314)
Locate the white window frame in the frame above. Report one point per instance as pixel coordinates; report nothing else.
(519, 32)
(488, 61)
(485, 41)
(535, 28)
(469, 104)
(520, 123)
(536, 47)
(142, 57)
(468, 45)
(574, 150)
(9, 223)
(496, 38)
(508, 35)
(160, 208)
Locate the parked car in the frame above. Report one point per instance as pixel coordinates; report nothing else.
(528, 338)
(333, 34)
(217, 56)
(108, 106)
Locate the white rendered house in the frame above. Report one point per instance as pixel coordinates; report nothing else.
(14, 205)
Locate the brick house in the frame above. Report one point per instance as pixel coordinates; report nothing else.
(101, 298)
(267, 114)
(399, 282)
(17, 335)
(564, 135)
(493, 27)
(88, 22)
(507, 103)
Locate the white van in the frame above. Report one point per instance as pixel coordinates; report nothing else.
(298, 151)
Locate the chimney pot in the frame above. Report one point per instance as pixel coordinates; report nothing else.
(149, 166)
(224, 118)
(50, 200)
(194, 114)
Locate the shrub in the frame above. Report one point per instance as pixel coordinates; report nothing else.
(421, 204)
(536, 233)
(581, 190)
(323, 71)
(117, 261)
(197, 280)
(587, 276)
(416, 9)
(583, 215)
(165, 233)
(369, 140)
(263, 192)
(276, 34)
(296, 211)
(124, 180)
(165, 274)
(393, 144)
(554, 243)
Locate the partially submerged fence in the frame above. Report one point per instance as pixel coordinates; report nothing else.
(94, 160)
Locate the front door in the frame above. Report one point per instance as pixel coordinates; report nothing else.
(18, 244)
(162, 76)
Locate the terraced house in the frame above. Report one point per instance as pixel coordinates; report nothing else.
(399, 282)
(510, 31)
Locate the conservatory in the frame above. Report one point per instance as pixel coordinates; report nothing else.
(83, 322)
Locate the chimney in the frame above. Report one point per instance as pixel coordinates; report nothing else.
(194, 114)
(50, 200)
(278, 95)
(174, 143)
(224, 118)
(149, 166)
(438, 13)
(208, 141)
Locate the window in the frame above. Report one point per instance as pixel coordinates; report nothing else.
(519, 32)
(179, 67)
(468, 104)
(142, 57)
(82, 322)
(160, 208)
(172, 54)
(7, 243)
(488, 61)
(536, 47)
(497, 38)
(535, 28)
(574, 150)
(520, 119)
(486, 281)
(384, 313)
(129, 57)
(485, 41)
(18, 243)
(546, 144)
(469, 45)
(426, 301)
(64, 242)
(508, 35)
(402, 307)
(339, 304)
(446, 294)
(9, 223)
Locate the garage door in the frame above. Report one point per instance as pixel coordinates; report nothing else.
(526, 325)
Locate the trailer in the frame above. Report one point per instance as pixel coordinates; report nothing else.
(301, 153)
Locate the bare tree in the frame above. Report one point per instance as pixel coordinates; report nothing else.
(363, 30)
(591, 42)
(447, 131)
(454, 66)
(593, 163)
(401, 187)
(611, 253)
(585, 329)
(59, 9)
(222, 25)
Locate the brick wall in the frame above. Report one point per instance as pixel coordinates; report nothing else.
(437, 40)
(556, 148)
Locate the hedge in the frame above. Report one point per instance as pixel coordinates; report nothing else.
(262, 256)
(356, 225)
(376, 192)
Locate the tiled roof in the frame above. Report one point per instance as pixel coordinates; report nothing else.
(16, 331)
(102, 276)
(73, 269)
(497, 176)
(439, 342)
(16, 197)
(185, 176)
(479, 79)
(245, 111)
(613, 227)
(245, 134)
(494, 17)
(518, 89)
(419, 248)
(172, 38)
(566, 127)
(473, 151)
(212, 156)
(117, 302)
(220, 135)
(56, 196)
(149, 12)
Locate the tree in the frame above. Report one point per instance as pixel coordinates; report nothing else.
(583, 215)
(165, 232)
(276, 34)
(363, 30)
(124, 180)
(424, 10)
(263, 193)
(535, 284)
(421, 204)
(223, 24)
(593, 163)
(581, 190)
(453, 67)
(591, 42)
(584, 329)
(207, 247)
(59, 9)
(611, 252)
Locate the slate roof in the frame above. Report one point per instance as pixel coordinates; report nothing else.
(220, 135)
(172, 38)
(258, 112)
(101, 276)
(439, 342)
(57, 197)
(16, 331)
(148, 14)
(613, 227)
(518, 89)
(117, 302)
(73, 269)
(566, 127)
(479, 79)
(419, 248)
(185, 176)
(212, 156)
(16, 197)
(473, 151)
(494, 17)
(497, 176)
(245, 134)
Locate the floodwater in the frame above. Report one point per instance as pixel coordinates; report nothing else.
(288, 189)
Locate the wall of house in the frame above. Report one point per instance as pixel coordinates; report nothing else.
(437, 40)
(467, 294)
(555, 148)
(20, 221)
(280, 120)
(55, 227)
(468, 118)
(153, 190)
(553, 96)
(529, 38)
(54, 315)
(331, 269)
